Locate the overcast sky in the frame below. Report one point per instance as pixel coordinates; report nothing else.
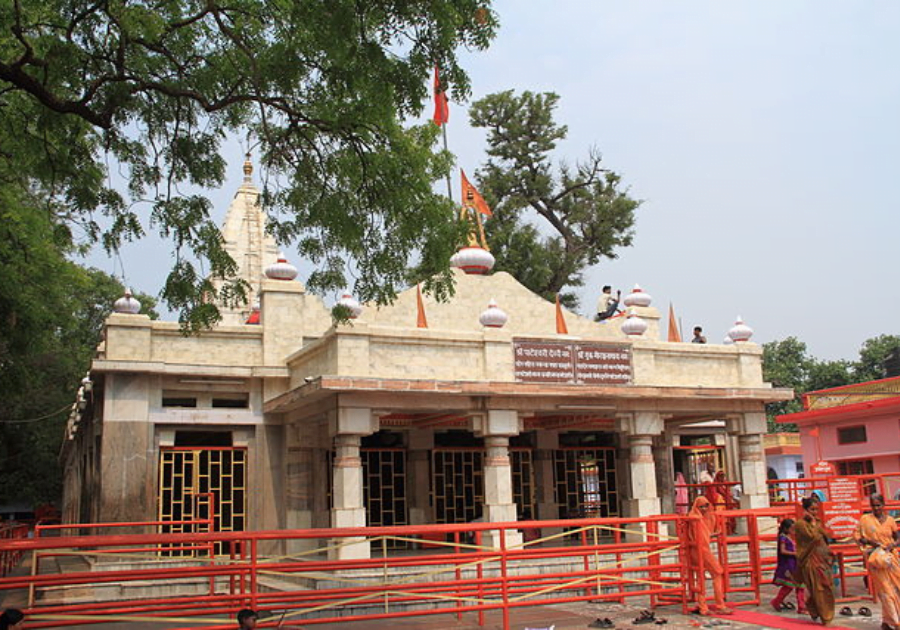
(763, 137)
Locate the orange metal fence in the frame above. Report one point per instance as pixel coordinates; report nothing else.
(793, 490)
(294, 576)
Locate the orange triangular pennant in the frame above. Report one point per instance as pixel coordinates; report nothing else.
(471, 198)
(561, 328)
(421, 321)
(674, 333)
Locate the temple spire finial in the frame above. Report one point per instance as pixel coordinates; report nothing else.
(248, 169)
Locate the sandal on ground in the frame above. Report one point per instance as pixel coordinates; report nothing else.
(601, 623)
(723, 611)
(661, 622)
(845, 611)
(642, 620)
(787, 606)
(865, 612)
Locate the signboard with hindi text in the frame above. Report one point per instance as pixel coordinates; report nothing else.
(551, 361)
(841, 517)
(844, 489)
(822, 469)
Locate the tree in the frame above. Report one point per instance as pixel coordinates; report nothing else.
(584, 206)
(154, 86)
(872, 357)
(786, 363)
(51, 312)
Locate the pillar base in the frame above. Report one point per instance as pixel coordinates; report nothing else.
(357, 548)
(491, 539)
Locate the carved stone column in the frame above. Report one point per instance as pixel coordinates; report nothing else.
(496, 426)
(640, 428)
(421, 443)
(348, 425)
(750, 428)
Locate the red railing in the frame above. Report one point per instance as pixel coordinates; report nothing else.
(292, 576)
(793, 490)
(695, 490)
(9, 559)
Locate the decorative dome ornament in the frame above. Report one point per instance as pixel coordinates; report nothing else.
(127, 304)
(351, 304)
(740, 331)
(634, 326)
(638, 297)
(493, 316)
(473, 260)
(281, 270)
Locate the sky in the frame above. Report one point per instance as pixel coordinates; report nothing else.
(762, 136)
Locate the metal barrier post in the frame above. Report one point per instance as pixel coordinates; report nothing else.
(254, 557)
(504, 586)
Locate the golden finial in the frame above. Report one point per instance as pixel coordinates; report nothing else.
(248, 169)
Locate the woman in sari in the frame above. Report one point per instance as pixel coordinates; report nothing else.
(681, 494)
(877, 536)
(702, 527)
(814, 563)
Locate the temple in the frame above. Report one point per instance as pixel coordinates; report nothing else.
(490, 411)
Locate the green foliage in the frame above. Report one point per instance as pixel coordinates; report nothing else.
(787, 363)
(589, 213)
(153, 87)
(51, 312)
(872, 357)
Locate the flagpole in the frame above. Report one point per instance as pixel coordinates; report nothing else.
(449, 187)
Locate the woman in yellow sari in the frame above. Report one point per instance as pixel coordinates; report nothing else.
(814, 563)
(877, 536)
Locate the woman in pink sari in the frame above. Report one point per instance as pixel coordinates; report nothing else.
(681, 494)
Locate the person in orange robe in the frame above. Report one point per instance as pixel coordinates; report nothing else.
(703, 526)
(877, 536)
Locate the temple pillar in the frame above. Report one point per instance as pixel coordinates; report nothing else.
(665, 472)
(544, 478)
(347, 426)
(418, 476)
(750, 428)
(496, 426)
(640, 429)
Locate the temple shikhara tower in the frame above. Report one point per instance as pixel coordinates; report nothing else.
(487, 413)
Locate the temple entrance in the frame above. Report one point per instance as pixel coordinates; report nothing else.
(586, 482)
(194, 479)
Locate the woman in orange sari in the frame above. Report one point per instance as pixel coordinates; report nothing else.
(877, 536)
(702, 527)
(814, 563)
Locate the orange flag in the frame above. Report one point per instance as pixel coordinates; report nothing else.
(674, 333)
(814, 432)
(421, 321)
(441, 106)
(561, 328)
(471, 198)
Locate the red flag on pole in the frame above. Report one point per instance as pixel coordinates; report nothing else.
(421, 321)
(441, 106)
(561, 328)
(471, 198)
(674, 333)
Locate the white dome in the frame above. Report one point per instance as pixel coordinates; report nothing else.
(352, 304)
(638, 297)
(127, 304)
(634, 326)
(493, 316)
(728, 340)
(740, 331)
(281, 270)
(473, 260)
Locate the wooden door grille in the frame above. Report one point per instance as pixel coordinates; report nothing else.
(523, 481)
(188, 476)
(384, 488)
(457, 484)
